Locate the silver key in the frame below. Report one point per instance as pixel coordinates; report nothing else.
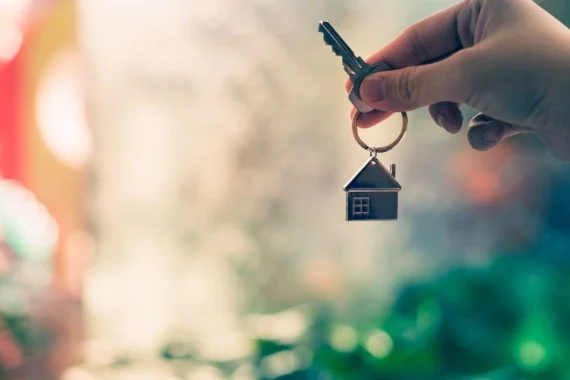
(356, 68)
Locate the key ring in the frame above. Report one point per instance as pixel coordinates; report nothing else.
(375, 150)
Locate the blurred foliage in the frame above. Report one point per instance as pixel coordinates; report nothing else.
(28, 237)
(505, 321)
(508, 320)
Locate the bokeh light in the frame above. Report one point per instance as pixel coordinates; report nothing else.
(173, 207)
(60, 110)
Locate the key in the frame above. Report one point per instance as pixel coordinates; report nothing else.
(356, 68)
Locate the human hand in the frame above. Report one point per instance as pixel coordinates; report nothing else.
(508, 59)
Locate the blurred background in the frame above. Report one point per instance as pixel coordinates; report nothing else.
(171, 206)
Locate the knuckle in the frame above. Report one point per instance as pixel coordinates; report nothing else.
(466, 77)
(474, 4)
(555, 134)
(557, 142)
(405, 91)
(467, 20)
(417, 47)
(477, 5)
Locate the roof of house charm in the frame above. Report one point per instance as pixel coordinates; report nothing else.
(372, 194)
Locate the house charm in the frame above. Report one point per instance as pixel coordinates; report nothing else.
(372, 194)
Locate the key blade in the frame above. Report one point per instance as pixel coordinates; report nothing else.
(333, 39)
(341, 48)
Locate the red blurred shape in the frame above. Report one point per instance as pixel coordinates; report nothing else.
(480, 176)
(10, 97)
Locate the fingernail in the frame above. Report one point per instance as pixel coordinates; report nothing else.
(441, 120)
(491, 135)
(373, 89)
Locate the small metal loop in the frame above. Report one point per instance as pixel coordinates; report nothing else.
(373, 153)
(382, 149)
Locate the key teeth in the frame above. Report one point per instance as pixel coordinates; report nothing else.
(328, 32)
(334, 51)
(329, 43)
(326, 37)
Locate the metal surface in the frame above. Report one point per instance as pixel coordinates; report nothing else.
(382, 149)
(372, 193)
(356, 68)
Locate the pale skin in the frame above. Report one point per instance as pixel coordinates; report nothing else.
(508, 59)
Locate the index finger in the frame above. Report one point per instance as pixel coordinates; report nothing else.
(426, 40)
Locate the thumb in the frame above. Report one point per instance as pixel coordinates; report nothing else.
(416, 86)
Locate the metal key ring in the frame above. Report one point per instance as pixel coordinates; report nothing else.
(382, 149)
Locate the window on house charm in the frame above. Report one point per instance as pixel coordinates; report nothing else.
(361, 206)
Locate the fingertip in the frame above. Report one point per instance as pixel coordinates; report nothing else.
(485, 135)
(453, 121)
(449, 124)
(372, 118)
(448, 116)
(374, 89)
(348, 84)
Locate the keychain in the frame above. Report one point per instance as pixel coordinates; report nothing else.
(372, 193)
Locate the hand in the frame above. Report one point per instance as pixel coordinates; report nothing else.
(508, 59)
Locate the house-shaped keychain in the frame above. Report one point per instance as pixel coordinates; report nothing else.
(372, 194)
